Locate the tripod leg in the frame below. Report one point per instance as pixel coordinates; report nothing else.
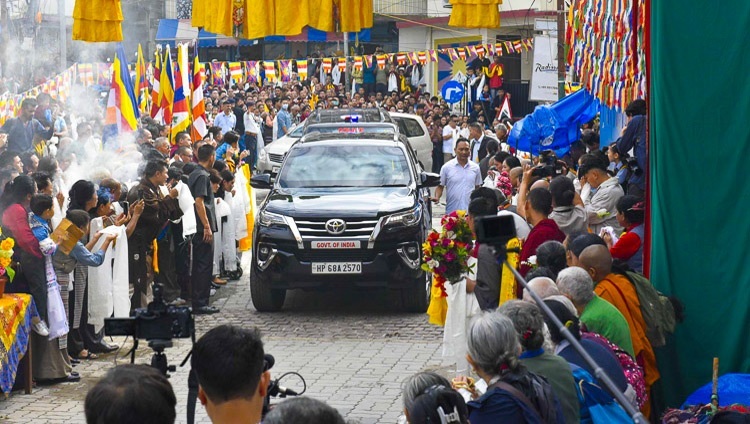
(192, 396)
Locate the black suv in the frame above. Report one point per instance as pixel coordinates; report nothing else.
(345, 210)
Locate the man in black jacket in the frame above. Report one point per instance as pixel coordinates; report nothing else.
(158, 210)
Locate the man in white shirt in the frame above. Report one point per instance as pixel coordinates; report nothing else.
(450, 136)
(459, 177)
(226, 120)
(252, 133)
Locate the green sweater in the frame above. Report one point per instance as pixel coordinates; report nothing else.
(557, 372)
(603, 318)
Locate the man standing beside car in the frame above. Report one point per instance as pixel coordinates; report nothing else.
(252, 131)
(202, 243)
(459, 176)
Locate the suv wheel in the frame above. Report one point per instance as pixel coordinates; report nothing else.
(416, 297)
(265, 299)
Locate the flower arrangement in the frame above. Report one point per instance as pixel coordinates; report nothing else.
(446, 253)
(6, 253)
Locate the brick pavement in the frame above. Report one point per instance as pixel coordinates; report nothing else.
(353, 352)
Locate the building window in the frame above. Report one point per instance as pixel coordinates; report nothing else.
(184, 9)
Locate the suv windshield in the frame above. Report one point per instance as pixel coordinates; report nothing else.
(297, 132)
(344, 166)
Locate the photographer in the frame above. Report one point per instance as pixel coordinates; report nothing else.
(634, 137)
(228, 363)
(486, 288)
(157, 211)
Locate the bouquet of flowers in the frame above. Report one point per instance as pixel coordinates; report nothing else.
(446, 253)
(6, 253)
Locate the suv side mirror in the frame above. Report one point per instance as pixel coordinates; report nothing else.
(262, 181)
(429, 179)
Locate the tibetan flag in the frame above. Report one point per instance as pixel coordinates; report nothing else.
(453, 54)
(285, 66)
(180, 108)
(357, 63)
(422, 57)
(498, 49)
(517, 45)
(166, 88)
(491, 49)
(472, 50)
(368, 61)
(401, 59)
(235, 72)
(527, 43)
(342, 64)
(217, 74)
(302, 69)
(122, 110)
(270, 67)
(200, 126)
(141, 85)
(480, 50)
(156, 112)
(251, 69)
(433, 56)
(509, 47)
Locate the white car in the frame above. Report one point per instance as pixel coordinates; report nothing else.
(270, 158)
(414, 128)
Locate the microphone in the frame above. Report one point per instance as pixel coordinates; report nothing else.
(268, 361)
(283, 392)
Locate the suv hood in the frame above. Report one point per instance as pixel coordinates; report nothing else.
(340, 202)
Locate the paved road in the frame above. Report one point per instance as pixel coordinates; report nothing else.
(351, 348)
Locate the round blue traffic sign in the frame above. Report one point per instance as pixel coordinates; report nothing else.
(453, 91)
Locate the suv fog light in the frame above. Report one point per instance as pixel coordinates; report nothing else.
(265, 255)
(410, 255)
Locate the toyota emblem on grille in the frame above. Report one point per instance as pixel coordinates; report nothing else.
(335, 226)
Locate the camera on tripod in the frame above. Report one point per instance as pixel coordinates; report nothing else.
(495, 230)
(157, 321)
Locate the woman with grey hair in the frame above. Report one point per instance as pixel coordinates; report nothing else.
(513, 393)
(529, 324)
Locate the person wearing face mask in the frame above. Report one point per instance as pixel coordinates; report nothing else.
(284, 119)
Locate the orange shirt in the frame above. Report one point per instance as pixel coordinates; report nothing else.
(620, 292)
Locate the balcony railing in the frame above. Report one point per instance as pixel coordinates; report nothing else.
(401, 7)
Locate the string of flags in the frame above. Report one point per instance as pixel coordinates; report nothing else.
(607, 49)
(257, 72)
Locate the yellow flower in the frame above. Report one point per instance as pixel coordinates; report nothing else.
(461, 213)
(4, 262)
(7, 244)
(6, 253)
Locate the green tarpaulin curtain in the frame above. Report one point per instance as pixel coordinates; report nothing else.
(700, 162)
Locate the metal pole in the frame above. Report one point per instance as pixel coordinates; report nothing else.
(560, 49)
(347, 75)
(63, 35)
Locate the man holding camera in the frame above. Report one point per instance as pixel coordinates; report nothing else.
(634, 137)
(157, 211)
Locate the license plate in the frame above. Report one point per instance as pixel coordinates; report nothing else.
(339, 244)
(275, 169)
(337, 267)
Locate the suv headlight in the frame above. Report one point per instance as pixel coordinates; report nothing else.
(268, 219)
(409, 218)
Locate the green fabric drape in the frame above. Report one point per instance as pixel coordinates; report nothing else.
(700, 158)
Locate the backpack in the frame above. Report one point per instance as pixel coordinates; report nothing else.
(543, 401)
(633, 371)
(597, 406)
(656, 308)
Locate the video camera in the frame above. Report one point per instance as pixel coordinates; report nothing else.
(549, 165)
(495, 230)
(158, 321)
(632, 164)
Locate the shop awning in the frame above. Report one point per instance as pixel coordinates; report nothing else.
(173, 31)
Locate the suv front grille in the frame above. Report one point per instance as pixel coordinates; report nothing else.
(275, 158)
(314, 227)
